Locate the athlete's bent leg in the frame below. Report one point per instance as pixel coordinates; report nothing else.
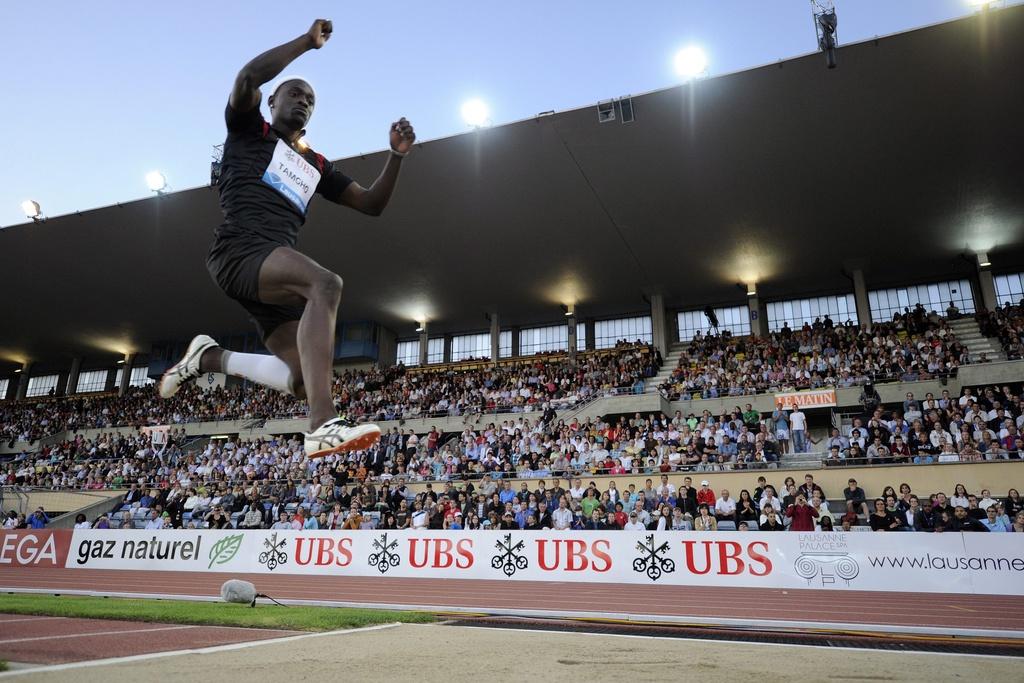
(270, 371)
(289, 278)
(283, 342)
(204, 355)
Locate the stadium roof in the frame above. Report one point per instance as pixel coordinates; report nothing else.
(900, 161)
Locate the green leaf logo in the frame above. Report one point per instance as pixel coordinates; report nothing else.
(225, 549)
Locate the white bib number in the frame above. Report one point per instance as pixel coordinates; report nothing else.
(291, 175)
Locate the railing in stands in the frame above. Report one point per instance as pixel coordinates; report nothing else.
(1012, 456)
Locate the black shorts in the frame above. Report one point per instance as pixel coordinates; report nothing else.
(234, 264)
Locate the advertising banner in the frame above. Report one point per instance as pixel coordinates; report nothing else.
(35, 548)
(817, 398)
(939, 563)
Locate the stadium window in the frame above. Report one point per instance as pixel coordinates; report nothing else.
(608, 332)
(796, 312)
(435, 350)
(140, 376)
(735, 319)
(41, 385)
(505, 344)
(581, 337)
(5, 385)
(93, 380)
(471, 346)
(543, 339)
(1009, 289)
(409, 353)
(934, 297)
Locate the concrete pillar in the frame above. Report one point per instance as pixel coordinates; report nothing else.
(26, 369)
(76, 368)
(571, 322)
(860, 295)
(758, 312)
(126, 373)
(591, 331)
(446, 353)
(424, 343)
(987, 284)
(515, 342)
(659, 327)
(495, 338)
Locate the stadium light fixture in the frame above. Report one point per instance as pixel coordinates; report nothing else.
(983, 261)
(32, 210)
(156, 182)
(825, 22)
(569, 310)
(691, 62)
(751, 289)
(420, 326)
(476, 113)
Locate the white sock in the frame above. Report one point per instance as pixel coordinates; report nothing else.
(269, 371)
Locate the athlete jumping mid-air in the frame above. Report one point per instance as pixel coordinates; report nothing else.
(268, 177)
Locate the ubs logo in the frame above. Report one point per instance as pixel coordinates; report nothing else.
(274, 554)
(384, 557)
(651, 561)
(509, 559)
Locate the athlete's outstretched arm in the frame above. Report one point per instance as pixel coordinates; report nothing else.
(373, 199)
(246, 92)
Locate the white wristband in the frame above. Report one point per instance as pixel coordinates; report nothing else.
(400, 155)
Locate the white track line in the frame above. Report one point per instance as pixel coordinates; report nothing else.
(194, 651)
(97, 633)
(867, 650)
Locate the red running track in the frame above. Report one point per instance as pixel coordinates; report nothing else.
(56, 640)
(865, 609)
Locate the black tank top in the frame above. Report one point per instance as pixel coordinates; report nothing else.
(266, 185)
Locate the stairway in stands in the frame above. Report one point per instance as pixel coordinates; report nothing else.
(969, 334)
(668, 365)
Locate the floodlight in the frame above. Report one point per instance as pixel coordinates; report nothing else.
(691, 62)
(476, 113)
(31, 209)
(156, 181)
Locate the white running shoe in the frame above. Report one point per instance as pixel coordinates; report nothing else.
(187, 368)
(339, 435)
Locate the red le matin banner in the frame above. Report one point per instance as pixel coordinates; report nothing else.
(817, 398)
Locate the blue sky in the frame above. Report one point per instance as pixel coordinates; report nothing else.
(98, 93)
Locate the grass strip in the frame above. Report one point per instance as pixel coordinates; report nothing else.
(297, 618)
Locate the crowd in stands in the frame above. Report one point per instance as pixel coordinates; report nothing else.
(373, 394)
(972, 427)
(914, 346)
(969, 428)
(520, 447)
(1005, 323)
(331, 501)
